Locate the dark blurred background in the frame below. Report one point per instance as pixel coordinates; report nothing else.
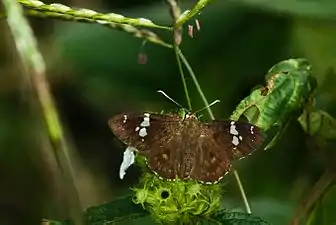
(94, 73)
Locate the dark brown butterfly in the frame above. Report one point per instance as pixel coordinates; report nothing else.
(183, 147)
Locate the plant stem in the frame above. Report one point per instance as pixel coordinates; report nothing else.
(194, 78)
(206, 103)
(242, 192)
(178, 59)
(175, 12)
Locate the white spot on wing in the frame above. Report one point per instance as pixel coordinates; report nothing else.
(242, 158)
(252, 129)
(128, 160)
(235, 140)
(142, 132)
(233, 129)
(145, 122)
(125, 118)
(137, 129)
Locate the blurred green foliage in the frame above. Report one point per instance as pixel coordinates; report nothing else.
(94, 74)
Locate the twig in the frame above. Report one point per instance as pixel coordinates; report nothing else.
(175, 12)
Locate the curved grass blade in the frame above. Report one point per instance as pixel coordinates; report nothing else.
(134, 31)
(89, 14)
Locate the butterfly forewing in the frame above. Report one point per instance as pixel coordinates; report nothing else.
(155, 136)
(239, 138)
(143, 130)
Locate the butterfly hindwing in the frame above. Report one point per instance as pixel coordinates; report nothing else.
(220, 143)
(167, 160)
(212, 161)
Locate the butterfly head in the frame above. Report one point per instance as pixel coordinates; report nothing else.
(186, 114)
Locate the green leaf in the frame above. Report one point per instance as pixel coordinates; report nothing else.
(227, 217)
(318, 123)
(114, 212)
(289, 84)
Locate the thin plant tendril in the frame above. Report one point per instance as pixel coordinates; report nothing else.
(199, 89)
(178, 59)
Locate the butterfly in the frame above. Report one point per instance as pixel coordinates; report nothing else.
(181, 146)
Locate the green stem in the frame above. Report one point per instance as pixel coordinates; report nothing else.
(194, 78)
(199, 89)
(242, 192)
(178, 59)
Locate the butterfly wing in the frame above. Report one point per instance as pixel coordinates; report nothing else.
(220, 143)
(212, 161)
(167, 160)
(243, 138)
(202, 152)
(155, 136)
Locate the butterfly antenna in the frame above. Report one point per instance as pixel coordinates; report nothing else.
(208, 106)
(164, 94)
